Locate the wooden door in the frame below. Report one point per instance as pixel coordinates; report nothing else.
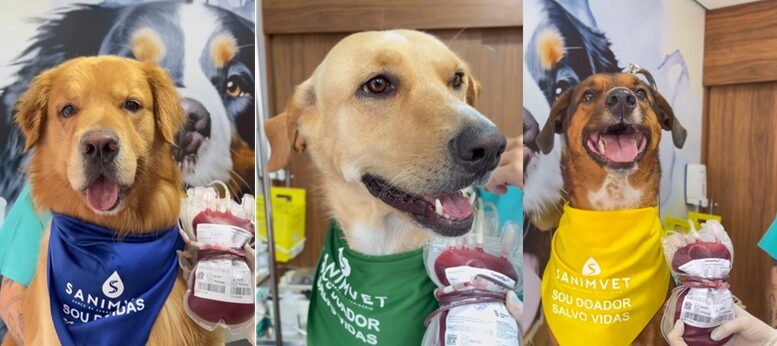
(740, 138)
(742, 173)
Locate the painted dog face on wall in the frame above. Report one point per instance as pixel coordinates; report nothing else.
(561, 52)
(564, 51)
(208, 53)
(201, 52)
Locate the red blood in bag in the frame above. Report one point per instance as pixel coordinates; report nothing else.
(214, 310)
(698, 250)
(477, 258)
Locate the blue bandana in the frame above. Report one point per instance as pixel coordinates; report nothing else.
(105, 290)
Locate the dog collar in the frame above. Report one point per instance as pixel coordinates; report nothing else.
(606, 276)
(106, 290)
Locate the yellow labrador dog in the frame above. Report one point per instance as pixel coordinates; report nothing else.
(389, 122)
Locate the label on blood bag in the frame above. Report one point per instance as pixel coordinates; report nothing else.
(487, 324)
(222, 235)
(462, 274)
(223, 279)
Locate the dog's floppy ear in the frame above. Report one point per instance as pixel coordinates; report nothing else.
(473, 91)
(668, 120)
(31, 109)
(282, 130)
(555, 123)
(168, 112)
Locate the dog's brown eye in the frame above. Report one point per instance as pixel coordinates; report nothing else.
(233, 88)
(377, 85)
(67, 111)
(457, 80)
(132, 106)
(641, 94)
(588, 96)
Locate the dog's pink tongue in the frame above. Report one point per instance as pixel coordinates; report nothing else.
(456, 205)
(621, 148)
(102, 195)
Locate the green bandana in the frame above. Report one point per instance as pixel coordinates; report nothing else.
(368, 300)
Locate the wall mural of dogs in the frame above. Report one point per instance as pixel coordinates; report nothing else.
(568, 41)
(207, 50)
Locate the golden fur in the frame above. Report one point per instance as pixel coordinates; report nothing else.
(403, 138)
(153, 201)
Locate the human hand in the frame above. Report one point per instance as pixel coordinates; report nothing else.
(747, 330)
(510, 169)
(11, 293)
(675, 336)
(515, 307)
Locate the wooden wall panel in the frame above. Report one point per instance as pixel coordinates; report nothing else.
(740, 44)
(495, 55)
(321, 16)
(291, 60)
(742, 177)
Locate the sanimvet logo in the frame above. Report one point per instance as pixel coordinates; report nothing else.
(591, 267)
(345, 266)
(113, 287)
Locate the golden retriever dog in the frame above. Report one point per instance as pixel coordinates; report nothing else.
(389, 121)
(101, 131)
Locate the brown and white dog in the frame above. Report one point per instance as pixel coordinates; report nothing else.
(101, 131)
(611, 125)
(388, 119)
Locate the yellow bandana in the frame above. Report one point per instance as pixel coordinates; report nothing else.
(606, 276)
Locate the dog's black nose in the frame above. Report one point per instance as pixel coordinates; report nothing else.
(621, 100)
(99, 146)
(195, 132)
(477, 148)
(198, 116)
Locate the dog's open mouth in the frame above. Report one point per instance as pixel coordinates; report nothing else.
(447, 213)
(194, 136)
(618, 145)
(103, 194)
(189, 144)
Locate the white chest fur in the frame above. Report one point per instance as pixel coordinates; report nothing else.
(393, 235)
(616, 192)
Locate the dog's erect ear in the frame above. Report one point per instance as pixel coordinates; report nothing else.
(31, 109)
(168, 111)
(282, 130)
(473, 91)
(555, 123)
(668, 120)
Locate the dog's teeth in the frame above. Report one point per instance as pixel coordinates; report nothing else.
(438, 207)
(472, 198)
(445, 215)
(601, 146)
